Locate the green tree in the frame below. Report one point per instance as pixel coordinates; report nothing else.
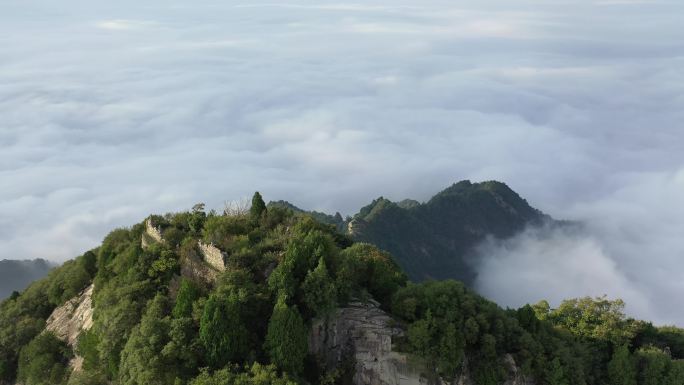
(542, 309)
(319, 290)
(286, 339)
(221, 229)
(69, 280)
(86, 347)
(197, 218)
(303, 252)
(258, 207)
(89, 263)
(120, 302)
(527, 318)
(595, 318)
(556, 374)
(160, 350)
(257, 374)
(87, 378)
(184, 349)
(44, 361)
(163, 268)
(141, 361)
(420, 336)
(364, 267)
(654, 366)
(472, 331)
(451, 350)
(676, 374)
(223, 332)
(187, 294)
(622, 367)
(21, 320)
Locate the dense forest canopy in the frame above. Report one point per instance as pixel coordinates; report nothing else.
(155, 323)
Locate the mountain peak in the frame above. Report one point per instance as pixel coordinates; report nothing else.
(435, 239)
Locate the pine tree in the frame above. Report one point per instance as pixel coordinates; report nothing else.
(258, 207)
(223, 332)
(319, 290)
(187, 294)
(286, 340)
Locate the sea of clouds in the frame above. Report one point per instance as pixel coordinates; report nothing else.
(112, 110)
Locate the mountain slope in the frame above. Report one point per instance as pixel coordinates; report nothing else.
(435, 240)
(274, 297)
(335, 220)
(17, 275)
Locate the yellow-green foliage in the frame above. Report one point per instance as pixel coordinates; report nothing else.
(257, 374)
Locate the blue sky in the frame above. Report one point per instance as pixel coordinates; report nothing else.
(110, 111)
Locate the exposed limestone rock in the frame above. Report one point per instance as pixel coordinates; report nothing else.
(350, 227)
(360, 335)
(69, 320)
(356, 226)
(212, 255)
(362, 332)
(151, 234)
(515, 376)
(76, 363)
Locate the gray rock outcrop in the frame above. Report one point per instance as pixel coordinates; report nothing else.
(151, 234)
(69, 320)
(515, 375)
(359, 336)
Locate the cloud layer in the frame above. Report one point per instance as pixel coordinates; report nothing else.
(112, 110)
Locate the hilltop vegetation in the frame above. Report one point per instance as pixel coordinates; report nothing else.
(436, 239)
(154, 324)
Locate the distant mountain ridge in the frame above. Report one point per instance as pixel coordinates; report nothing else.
(16, 275)
(335, 220)
(436, 239)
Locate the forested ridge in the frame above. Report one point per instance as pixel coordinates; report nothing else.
(154, 324)
(436, 239)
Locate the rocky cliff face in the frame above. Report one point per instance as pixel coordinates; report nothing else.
(69, 320)
(359, 337)
(515, 376)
